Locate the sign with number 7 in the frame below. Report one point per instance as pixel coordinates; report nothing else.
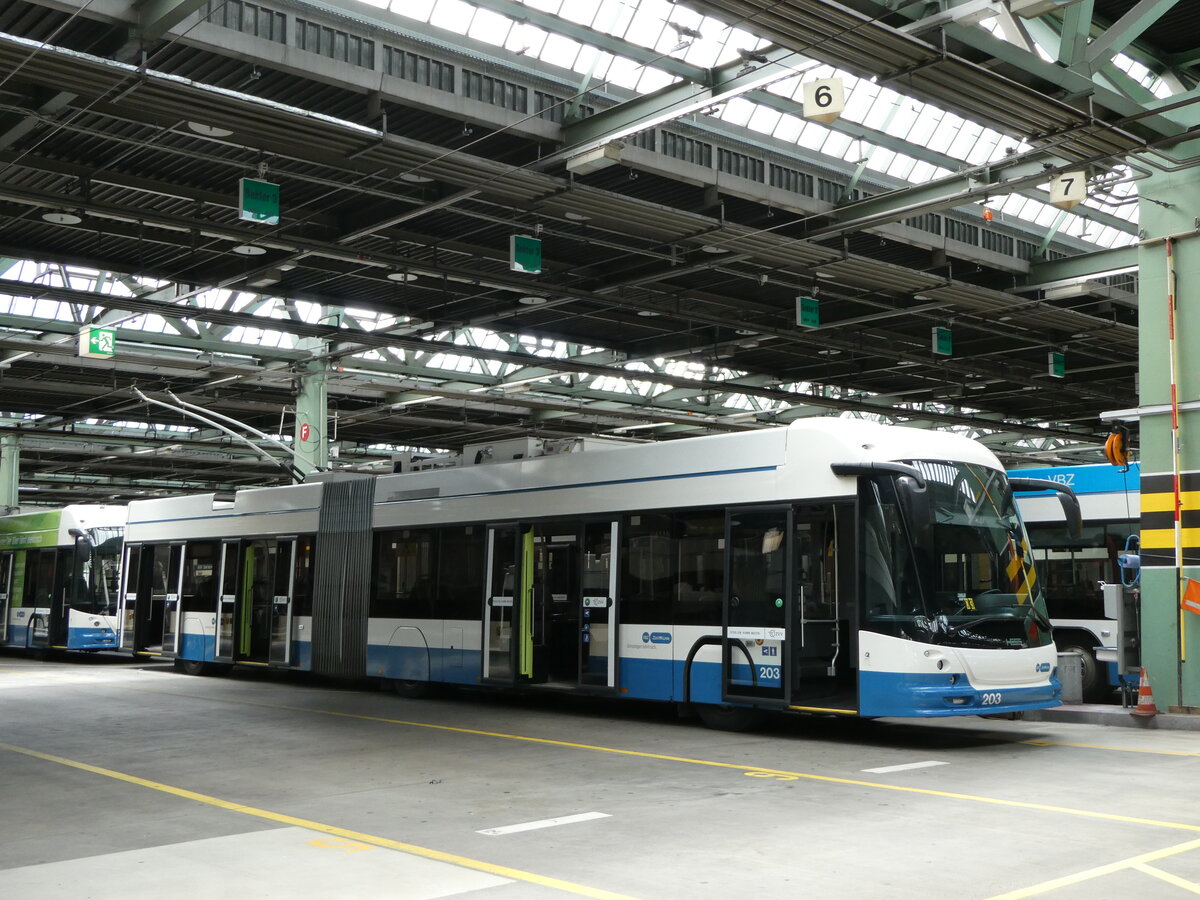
(1068, 190)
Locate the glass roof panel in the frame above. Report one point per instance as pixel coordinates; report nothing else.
(453, 15)
(647, 23)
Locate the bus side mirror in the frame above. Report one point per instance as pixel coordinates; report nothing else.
(916, 501)
(1066, 499)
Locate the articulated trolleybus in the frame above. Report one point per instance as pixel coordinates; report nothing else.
(58, 578)
(831, 566)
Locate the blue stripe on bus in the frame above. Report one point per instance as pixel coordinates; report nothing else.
(910, 694)
(1090, 479)
(91, 639)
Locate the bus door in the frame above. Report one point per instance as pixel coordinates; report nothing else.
(598, 599)
(127, 614)
(281, 602)
(39, 595)
(6, 568)
(264, 605)
(507, 648)
(819, 630)
(227, 600)
(157, 605)
(754, 662)
(555, 630)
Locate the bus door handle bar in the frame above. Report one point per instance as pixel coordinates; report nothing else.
(711, 640)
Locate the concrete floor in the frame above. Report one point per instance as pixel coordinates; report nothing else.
(120, 779)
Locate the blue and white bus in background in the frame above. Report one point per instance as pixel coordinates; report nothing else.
(1073, 568)
(59, 578)
(832, 566)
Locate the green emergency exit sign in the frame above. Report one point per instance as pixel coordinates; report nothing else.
(258, 201)
(97, 343)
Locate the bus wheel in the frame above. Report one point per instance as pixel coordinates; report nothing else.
(413, 690)
(191, 666)
(1094, 686)
(729, 718)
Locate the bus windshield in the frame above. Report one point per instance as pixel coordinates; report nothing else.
(97, 583)
(950, 564)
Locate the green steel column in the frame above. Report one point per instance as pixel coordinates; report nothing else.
(1170, 446)
(312, 407)
(10, 471)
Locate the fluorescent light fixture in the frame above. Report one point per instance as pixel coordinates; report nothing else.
(61, 217)
(714, 249)
(594, 160)
(401, 276)
(249, 250)
(209, 130)
(576, 217)
(415, 178)
(265, 279)
(648, 313)
(532, 301)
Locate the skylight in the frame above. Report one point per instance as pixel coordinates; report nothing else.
(922, 141)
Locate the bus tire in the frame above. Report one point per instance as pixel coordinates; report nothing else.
(729, 718)
(413, 690)
(1094, 681)
(191, 666)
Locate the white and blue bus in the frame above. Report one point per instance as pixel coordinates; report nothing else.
(832, 566)
(59, 578)
(1073, 567)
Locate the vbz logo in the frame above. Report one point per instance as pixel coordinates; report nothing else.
(1042, 667)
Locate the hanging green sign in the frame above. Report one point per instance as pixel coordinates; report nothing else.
(258, 201)
(525, 254)
(96, 342)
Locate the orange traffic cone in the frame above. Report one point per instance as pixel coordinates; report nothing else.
(1145, 706)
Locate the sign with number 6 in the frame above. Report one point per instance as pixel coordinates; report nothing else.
(824, 100)
(1068, 189)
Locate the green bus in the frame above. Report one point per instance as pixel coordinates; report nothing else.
(59, 578)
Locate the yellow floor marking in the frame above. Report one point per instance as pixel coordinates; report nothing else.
(361, 837)
(34, 672)
(1170, 879)
(760, 771)
(765, 771)
(1134, 862)
(1039, 743)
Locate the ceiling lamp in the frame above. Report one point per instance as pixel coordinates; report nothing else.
(415, 178)
(61, 217)
(713, 248)
(648, 313)
(532, 301)
(249, 250)
(401, 276)
(576, 217)
(209, 130)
